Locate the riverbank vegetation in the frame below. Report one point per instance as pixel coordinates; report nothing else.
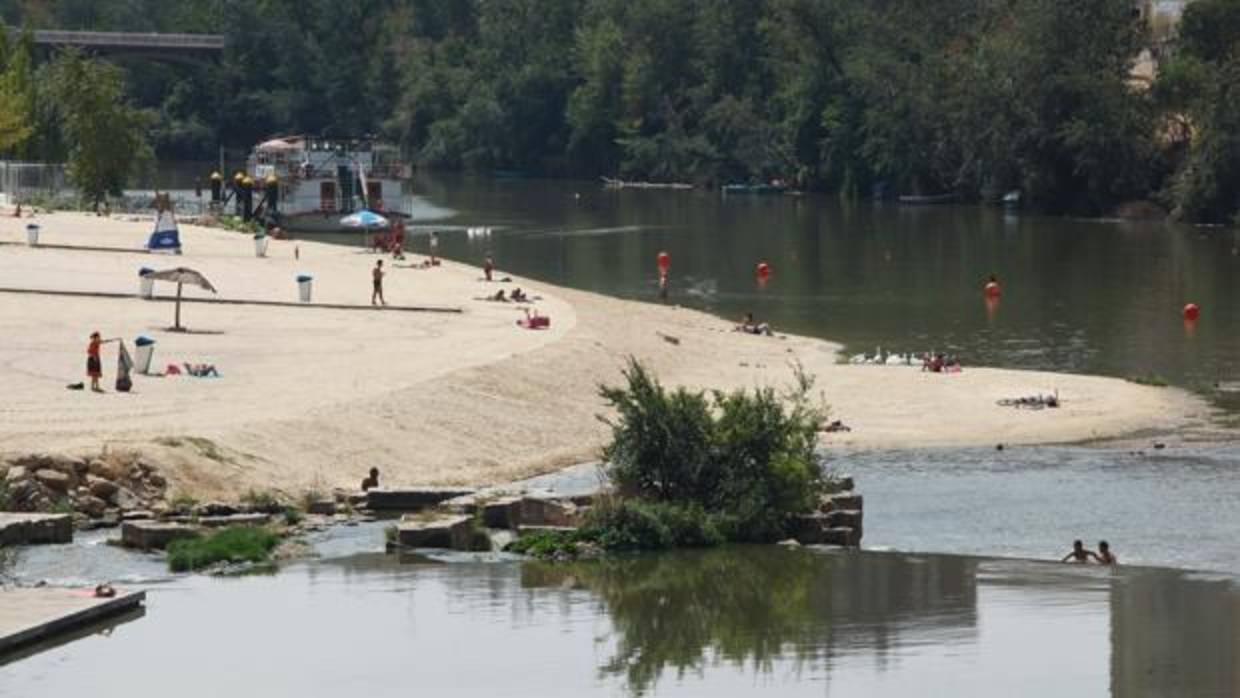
(694, 469)
(898, 97)
(240, 544)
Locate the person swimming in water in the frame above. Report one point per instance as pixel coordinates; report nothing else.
(1105, 556)
(1079, 554)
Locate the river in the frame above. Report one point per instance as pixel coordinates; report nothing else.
(728, 622)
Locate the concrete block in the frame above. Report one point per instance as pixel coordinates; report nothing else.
(146, 535)
(31, 529)
(411, 499)
(451, 531)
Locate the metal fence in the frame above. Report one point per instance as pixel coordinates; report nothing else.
(23, 181)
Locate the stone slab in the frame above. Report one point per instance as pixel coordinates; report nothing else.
(30, 616)
(30, 529)
(146, 535)
(234, 520)
(412, 498)
(453, 531)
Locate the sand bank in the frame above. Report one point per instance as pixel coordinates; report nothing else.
(312, 397)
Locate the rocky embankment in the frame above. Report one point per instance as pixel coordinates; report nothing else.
(94, 489)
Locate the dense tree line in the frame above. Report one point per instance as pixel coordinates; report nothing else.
(897, 96)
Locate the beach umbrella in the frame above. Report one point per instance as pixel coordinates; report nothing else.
(181, 276)
(365, 220)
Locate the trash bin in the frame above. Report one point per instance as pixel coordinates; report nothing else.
(146, 285)
(32, 234)
(304, 283)
(142, 355)
(260, 245)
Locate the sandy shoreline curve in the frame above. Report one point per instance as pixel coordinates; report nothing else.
(310, 398)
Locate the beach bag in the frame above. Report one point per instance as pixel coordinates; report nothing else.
(123, 366)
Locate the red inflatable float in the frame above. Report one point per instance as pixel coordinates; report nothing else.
(1192, 311)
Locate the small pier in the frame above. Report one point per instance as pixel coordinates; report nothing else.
(32, 620)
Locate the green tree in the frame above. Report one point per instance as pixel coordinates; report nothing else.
(104, 134)
(1200, 88)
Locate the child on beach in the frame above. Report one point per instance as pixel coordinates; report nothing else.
(94, 366)
(377, 277)
(434, 245)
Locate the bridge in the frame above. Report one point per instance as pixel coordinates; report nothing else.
(129, 42)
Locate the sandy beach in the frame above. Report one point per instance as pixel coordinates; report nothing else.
(310, 398)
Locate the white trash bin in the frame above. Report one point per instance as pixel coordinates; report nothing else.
(143, 354)
(260, 245)
(146, 285)
(304, 284)
(32, 234)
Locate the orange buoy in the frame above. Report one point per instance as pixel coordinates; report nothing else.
(664, 260)
(1192, 311)
(763, 271)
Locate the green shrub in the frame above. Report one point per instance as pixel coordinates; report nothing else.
(234, 544)
(746, 457)
(632, 524)
(292, 516)
(548, 544)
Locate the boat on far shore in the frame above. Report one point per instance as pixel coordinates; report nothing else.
(320, 181)
(758, 189)
(612, 183)
(918, 199)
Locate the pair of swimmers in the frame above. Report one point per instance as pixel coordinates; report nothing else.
(1081, 555)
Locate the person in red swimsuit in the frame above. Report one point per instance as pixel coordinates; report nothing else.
(94, 367)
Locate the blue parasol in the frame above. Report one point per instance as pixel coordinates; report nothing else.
(365, 220)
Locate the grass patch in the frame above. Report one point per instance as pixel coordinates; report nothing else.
(205, 447)
(1150, 379)
(292, 516)
(236, 544)
(182, 503)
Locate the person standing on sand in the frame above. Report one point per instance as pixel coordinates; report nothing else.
(434, 245)
(377, 277)
(488, 267)
(94, 366)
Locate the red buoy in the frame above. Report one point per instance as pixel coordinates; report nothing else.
(1192, 311)
(763, 271)
(664, 260)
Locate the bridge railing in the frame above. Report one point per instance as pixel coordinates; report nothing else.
(194, 42)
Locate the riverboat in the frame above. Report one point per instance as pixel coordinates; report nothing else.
(321, 181)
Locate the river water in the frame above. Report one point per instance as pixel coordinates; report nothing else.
(1079, 296)
(728, 622)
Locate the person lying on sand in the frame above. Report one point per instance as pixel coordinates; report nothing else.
(202, 370)
(1078, 554)
(750, 326)
(518, 296)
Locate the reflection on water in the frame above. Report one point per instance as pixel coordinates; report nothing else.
(758, 606)
(719, 622)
